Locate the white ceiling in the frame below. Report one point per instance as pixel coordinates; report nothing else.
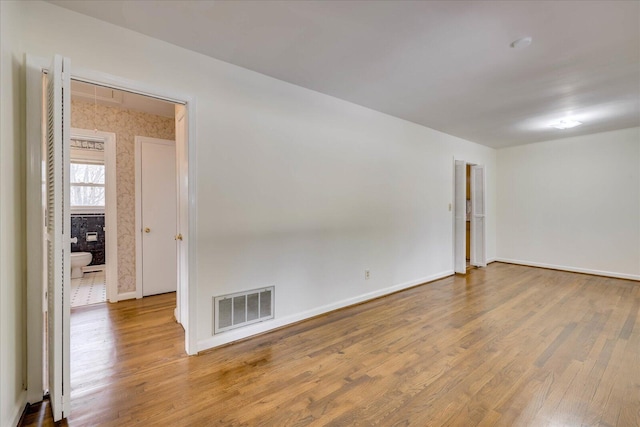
(444, 64)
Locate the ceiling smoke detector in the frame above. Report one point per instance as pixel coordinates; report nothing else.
(521, 43)
(566, 124)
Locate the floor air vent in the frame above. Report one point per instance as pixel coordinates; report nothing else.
(242, 308)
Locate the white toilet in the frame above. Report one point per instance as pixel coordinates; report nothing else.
(79, 260)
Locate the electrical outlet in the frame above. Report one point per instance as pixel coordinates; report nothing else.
(367, 274)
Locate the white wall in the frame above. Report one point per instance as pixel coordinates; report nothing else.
(12, 261)
(295, 188)
(572, 203)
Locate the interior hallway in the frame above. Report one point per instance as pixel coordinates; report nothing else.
(506, 345)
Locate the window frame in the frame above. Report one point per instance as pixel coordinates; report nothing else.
(87, 157)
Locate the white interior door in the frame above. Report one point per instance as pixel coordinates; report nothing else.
(183, 217)
(158, 215)
(478, 220)
(460, 227)
(58, 225)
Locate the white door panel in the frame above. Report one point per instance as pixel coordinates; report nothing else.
(158, 216)
(478, 220)
(182, 220)
(460, 206)
(58, 224)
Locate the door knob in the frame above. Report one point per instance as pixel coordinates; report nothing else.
(179, 237)
(147, 230)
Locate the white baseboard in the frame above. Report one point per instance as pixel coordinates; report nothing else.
(571, 269)
(14, 419)
(127, 295)
(258, 328)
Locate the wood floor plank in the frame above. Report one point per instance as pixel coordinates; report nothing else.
(502, 346)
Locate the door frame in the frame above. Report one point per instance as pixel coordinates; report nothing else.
(464, 230)
(111, 205)
(139, 140)
(35, 67)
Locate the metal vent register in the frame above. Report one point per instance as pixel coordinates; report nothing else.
(243, 308)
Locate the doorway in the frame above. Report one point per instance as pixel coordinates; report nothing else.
(156, 216)
(42, 98)
(127, 116)
(94, 215)
(469, 216)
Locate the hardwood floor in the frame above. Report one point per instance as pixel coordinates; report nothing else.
(506, 345)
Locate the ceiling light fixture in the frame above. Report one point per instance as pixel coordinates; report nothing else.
(566, 124)
(521, 43)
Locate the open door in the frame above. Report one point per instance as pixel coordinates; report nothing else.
(58, 225)
(182, 214)
(478, 222)
(460, 206)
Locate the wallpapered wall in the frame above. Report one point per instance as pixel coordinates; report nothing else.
(126, 124)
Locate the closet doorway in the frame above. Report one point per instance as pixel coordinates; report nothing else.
(156, 216)
(469, 216)
(49, 271)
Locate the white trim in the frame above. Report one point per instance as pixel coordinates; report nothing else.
(137, 155)
(258, 328)
(139, 140)
(182, 213)
(111, 206)
(19, 409)
(572, 269)
(127, 295)
(191, 258)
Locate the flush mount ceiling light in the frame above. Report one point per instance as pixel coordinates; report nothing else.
(566, 124)
(521, 43)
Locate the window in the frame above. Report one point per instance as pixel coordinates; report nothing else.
(86, 187)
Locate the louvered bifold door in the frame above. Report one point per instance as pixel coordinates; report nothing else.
(58, 224)
(460, 227)
(478, 219)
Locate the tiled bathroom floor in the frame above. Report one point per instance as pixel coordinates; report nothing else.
(90, 289)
